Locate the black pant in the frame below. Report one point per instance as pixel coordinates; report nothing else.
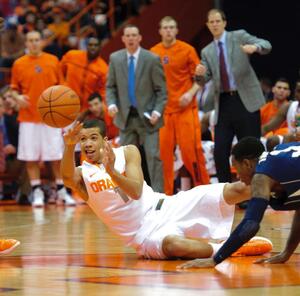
(233, 119)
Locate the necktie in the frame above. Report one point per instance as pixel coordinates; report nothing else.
(223, 71)
(131, 82)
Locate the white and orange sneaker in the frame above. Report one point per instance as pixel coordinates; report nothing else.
(257, 245)
(7, 245)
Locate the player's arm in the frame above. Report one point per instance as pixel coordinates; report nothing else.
(158, 81)
(132, 182)
(277, 120)
(71, 175)
(260, 190)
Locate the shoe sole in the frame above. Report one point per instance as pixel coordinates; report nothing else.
(10, 249)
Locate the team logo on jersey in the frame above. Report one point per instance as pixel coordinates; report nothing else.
(38, 69)
(165, 60)
(102, 184)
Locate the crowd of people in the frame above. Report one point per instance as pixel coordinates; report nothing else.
(148, 100)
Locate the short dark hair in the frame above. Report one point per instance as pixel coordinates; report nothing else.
(248, 148)
(282, 79)
(94, 96)
(100, 124)
(217, 10)
(131, 26)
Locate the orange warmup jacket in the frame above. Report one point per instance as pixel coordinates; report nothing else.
(182, 125)
(267, 112)
(31, 76)
(84, 77)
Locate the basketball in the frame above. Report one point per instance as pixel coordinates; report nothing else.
(58, 106)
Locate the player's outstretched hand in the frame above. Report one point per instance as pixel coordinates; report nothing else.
(72, 136)
(198, 263)
(279, 258)
(109, 157)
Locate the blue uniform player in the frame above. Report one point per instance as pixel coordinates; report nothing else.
(274, 178)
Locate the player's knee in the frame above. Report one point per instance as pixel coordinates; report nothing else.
(172, 246)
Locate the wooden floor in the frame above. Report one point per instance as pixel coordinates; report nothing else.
(68, 251)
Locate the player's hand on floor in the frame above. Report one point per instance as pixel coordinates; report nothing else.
(198, 263)
(72, 135)
(279, 258)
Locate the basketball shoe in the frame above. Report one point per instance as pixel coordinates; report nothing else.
(257, 245)
(38, 197)
(64, 196)
(7, 245)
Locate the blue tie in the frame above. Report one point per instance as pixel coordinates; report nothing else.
(131, 82)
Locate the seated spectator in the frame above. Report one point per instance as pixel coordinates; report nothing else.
(281, 92)
(288, 112)
(98, 110)
(10, 129)
(60, 27)
(12, 44)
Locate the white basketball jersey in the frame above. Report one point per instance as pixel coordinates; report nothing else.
(122, 214)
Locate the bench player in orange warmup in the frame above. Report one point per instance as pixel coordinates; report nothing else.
(181, 122)
(85, 71)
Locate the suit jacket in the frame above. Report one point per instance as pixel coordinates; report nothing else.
(150, 87)
(245, 78)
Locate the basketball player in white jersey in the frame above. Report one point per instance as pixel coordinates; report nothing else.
(187, 225)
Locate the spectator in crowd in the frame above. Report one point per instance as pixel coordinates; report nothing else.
(281, 92)
(97, 109)
(60, 27)
(12, 45)
(136, 96)
(85, 71)
(31, 75)
(289, 112)
(10, 127)
(181, 121)
(238, 95)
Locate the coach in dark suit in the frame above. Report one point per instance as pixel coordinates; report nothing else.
(136, 96)
(237, 92)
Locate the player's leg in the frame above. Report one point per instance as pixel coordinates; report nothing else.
(188, 135)
(174, 246)
(167, 146)
(29, 152)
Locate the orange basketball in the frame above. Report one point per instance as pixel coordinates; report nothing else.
(58, 106)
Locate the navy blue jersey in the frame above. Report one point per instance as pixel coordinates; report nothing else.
(283, 165)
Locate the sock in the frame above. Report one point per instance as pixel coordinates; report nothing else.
(216, 247)
(59, 184)
(36, 183)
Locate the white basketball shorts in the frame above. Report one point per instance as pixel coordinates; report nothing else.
(39, 142)
(200, 212)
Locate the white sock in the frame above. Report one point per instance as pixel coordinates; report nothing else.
(216, 247)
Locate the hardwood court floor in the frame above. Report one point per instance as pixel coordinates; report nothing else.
(68, 251)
